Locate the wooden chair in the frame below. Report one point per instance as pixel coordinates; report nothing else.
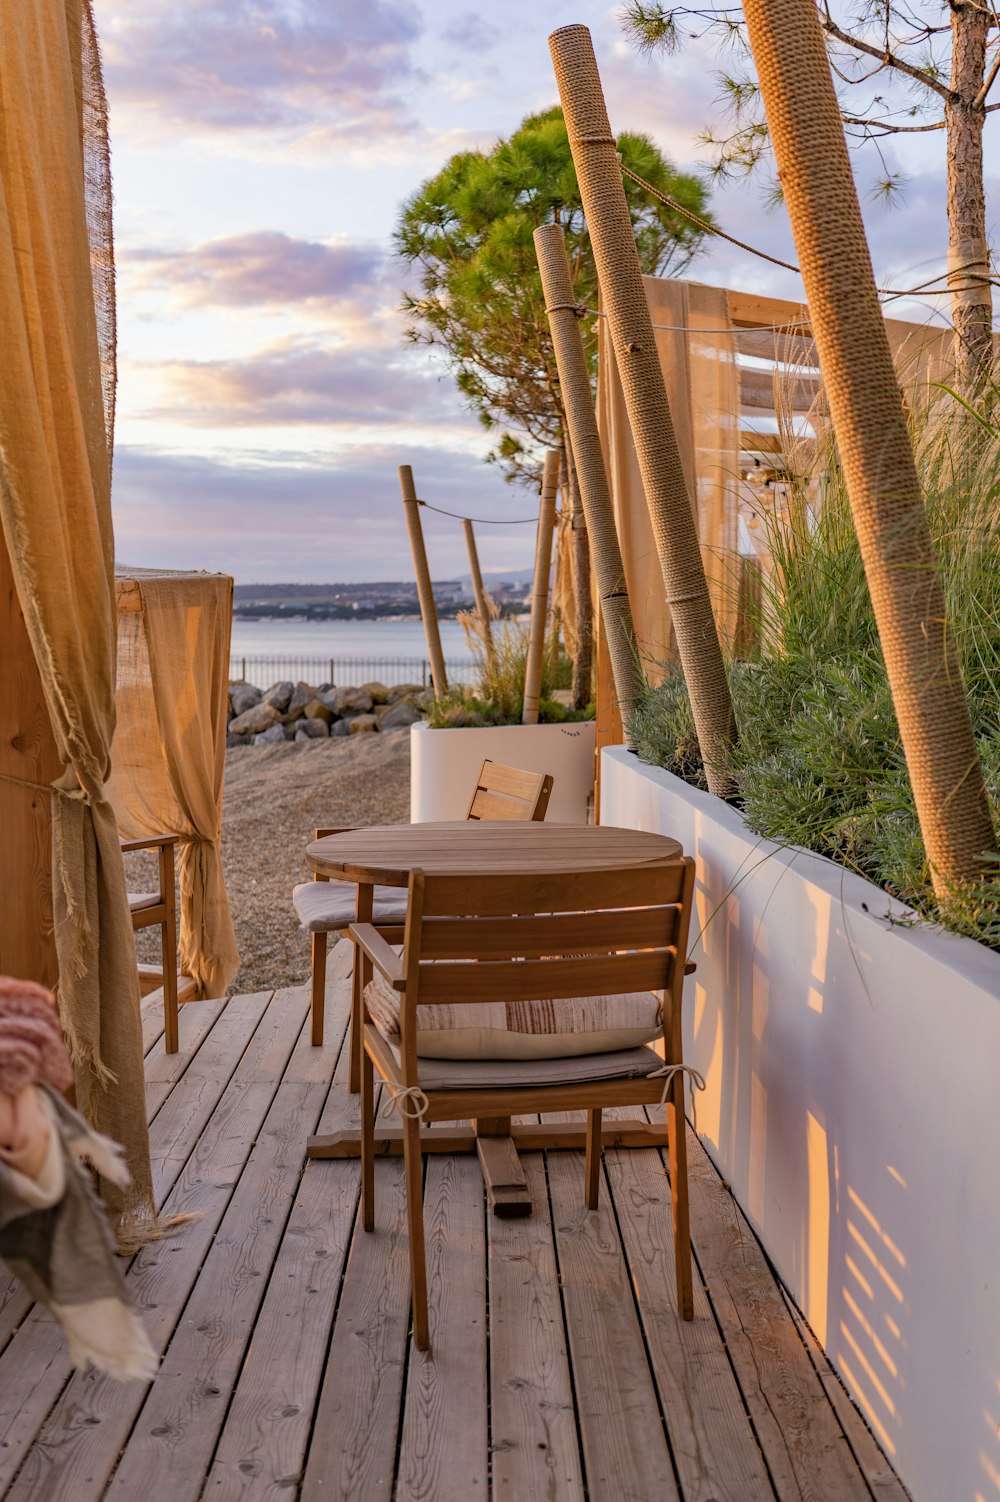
(324, 907)
(159, 909)
(517, 939)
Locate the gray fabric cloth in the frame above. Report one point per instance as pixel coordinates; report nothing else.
(328, 906)
(64, 1255)
(486, 1074)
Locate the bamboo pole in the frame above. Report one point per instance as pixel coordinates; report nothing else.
(874, 446)
(620, 278)
(540, 588)
(478, 589)
(425, 590)
(574, 384)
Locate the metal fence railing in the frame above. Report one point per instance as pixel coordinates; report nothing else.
(262, 671)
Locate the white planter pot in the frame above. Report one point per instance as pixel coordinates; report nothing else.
(444, 765)
(852, 1103)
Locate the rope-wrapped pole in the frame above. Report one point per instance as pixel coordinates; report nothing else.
(629, 324)
(478, 589)
(581, 418)
(425, 590)
(540, 588)
(874, 446)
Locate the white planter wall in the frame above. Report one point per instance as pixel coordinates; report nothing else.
(853, 1104)
(444, 765)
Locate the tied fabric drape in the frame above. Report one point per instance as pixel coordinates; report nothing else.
(56, 416)
(170, 746)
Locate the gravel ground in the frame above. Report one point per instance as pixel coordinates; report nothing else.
(275, 796)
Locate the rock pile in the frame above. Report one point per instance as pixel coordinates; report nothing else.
(303, 712)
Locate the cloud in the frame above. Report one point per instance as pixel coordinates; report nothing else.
(300, 381)
(262, 268)
(263, 520)
(290, 66)
(468, 32)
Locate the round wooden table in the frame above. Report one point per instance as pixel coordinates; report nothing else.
(385, 855)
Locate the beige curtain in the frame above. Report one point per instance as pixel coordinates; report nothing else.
(56, 411)
(170, 746)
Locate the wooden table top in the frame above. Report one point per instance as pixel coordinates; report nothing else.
(387, 853)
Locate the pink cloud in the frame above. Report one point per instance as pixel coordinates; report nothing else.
(301, 382)
(262, 268)
(255, 65)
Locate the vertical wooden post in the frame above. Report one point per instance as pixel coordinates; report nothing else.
(540, 589)
(612, 237)
(28, 753)
(425, 590)
(617, 630)
(478, 590)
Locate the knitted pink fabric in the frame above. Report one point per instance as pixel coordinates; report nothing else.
(31, 1044)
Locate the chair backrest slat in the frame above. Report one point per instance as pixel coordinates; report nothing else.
(509, 793)
(546, 979)
(549, 934)
(526, 892)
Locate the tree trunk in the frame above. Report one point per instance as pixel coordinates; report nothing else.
(968, 257)
(583, 662)
(874, 445)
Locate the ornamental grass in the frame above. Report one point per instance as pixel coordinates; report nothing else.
(819, 762)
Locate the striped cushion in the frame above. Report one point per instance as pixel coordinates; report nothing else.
(328, 906)
(521, 1029)
(506, 1074)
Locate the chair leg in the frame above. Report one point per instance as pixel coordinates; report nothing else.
(355, 1042)
(414, 1165)
(168, 933)
(677, 1129)
(317, 1007)
(367, 1143)
(592, 1172)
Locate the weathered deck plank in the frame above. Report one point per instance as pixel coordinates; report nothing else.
(560, 1369)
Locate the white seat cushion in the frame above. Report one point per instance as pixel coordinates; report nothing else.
(328, 906)
(522, 1029)
(486, 1074)
(139, 900)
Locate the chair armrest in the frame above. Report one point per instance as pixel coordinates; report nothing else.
(384, 958)
(152, 842)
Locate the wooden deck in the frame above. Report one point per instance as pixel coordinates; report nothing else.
(560, 1371)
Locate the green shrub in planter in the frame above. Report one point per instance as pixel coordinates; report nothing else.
(819, 760)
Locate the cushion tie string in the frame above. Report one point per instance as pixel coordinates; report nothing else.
(402, 1100)
(667, 1072)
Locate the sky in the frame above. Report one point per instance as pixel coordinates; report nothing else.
(261, 150)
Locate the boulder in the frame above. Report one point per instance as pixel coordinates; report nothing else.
(377, 692)
(238, 740)
(362, 722)
(301, 696)
(340, 727)
(404, 691)
(279, 696)
(311, 730)
(319, 709)
(255, 721)
(399, 715)
(243, 696)
(323, 688)
(275, 736)
(350, 701)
